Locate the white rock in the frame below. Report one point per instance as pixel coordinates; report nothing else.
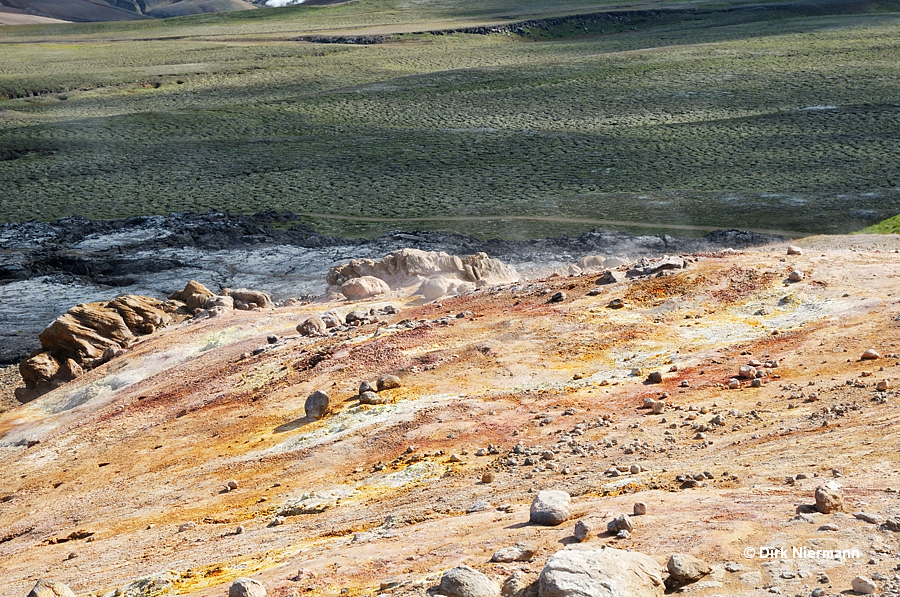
(464, 581)
(685, 568)
(364, 287)
(50, 588)
(550, 508)
(246, 587)
(433, 288)
(520, 552)
(830, 497)
(864, 585)
(608, 572)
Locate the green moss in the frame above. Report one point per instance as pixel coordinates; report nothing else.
(888, 226)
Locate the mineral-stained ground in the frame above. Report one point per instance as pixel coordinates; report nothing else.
(119, 480)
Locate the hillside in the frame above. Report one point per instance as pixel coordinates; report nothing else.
(523, 121)
(117, 481)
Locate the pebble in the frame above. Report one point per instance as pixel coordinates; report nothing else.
(520, 552)
(365, 386)
(186, 526)
(794, 250)
(640, 508)
(655, 377)
(829, 527)
(488, 477)
(388, 382)
(796, 276)
(557, 297)
(620, 522)
(232, 485)
(883, 385)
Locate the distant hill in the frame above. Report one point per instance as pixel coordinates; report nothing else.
(114, 10)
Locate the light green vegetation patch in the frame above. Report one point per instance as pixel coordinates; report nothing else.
(748, 119)
(888, 226)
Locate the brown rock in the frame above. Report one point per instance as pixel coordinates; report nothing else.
(388, 382)
(38, 369)
(142, 315)
(870, 355)
(84, 332)
(50, 588)
(794, 250)
(830, 497)
(194, 295)
(312, 326)
(684, 568)
(250, 298)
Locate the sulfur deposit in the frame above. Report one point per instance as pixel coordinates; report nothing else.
(494, 442)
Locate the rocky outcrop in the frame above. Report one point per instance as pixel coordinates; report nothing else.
(435, 273)
(87, 336)
(247, 300)
(604, 572)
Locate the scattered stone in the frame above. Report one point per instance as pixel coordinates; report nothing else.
(251, 299)
(655, 377)
(433, 288)
(747, 372)
(608, 572)
(550, 508)
(640, 508)
(864, 585)
(488, 477)
(454, 458)
(658, 407)
(232, 485)
(610, 277)
(883, 385)
(796, 276)
(464, 581)
(239, 530)
(520, 552)
(620, 522)
(557, 297)
(388, 382)
(829, 527)
(318, 404)
(868, 517)
(830, 497)
(684, 568)
(615, 304)
(276, 522)
(870, 355)
(733, 567)
(186, 526)
(794, 250)
(246, 587)
(623, 534)
(312, 326)
(50, 588)
(373, 398)
(733, 384)
(892, 524)
(584, 530)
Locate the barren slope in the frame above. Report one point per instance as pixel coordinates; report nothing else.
(146, 443)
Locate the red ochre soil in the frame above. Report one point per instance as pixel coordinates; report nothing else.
(146, 443)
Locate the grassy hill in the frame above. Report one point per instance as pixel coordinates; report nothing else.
(770, 116)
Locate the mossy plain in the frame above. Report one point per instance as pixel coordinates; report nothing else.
(767, 119)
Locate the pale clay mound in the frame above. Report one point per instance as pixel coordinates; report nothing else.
(187, 462)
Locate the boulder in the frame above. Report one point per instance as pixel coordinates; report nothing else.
(684, 568)
(608, 572)
(193, 295)
(312, 326)
(318, 404)
(84, 332)
(433, 288)
(796, 276)
(373, 398)
(219, 300)
(464, 581)
(794, 250)
(251, 298)
(870, 355)
(50, 588)
(141, 314)
(246, 587)
(388, 382)
(331, 320)
(38, 369)
(364, 287)
(830, 497)
(864, 585)
(550, 508)
(610, 277)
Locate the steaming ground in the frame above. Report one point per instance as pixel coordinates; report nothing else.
(47, 268)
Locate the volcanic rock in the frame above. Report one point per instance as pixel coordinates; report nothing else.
(388, 382)
(317, 405)
(684, 568)
(250, 298)
(312, 326)
(364, 287)
(550, 508)
(464, 581)
(830, 497)
(50, 588)
(607, 572)
(246, 587)
(520, 552)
